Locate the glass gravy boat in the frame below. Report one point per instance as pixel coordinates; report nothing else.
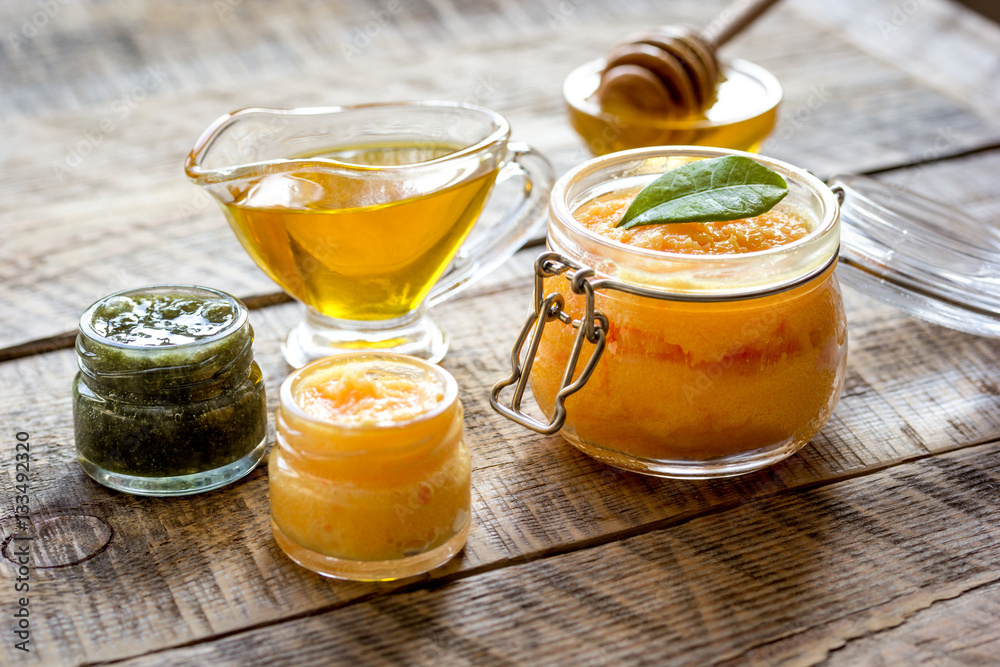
(367, 214)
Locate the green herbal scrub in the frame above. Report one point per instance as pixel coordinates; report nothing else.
(168, 399)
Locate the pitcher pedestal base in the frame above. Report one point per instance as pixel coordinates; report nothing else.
(318, 336)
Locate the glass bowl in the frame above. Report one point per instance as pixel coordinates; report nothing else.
(741, 118)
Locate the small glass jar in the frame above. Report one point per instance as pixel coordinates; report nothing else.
(168, 400)
(743, 115)
(373, 498)
(682, 365)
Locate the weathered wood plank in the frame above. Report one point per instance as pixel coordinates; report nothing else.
(77, 54)
(947, 46)
(70, 55)
(790, 580)
(957, 631)
(154, 574)
(95, 199)
(182, 570)
(844, 112)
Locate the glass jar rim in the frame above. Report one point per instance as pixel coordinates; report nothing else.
(195, 170)
(242, 317)
(287, 396)
(559, 207)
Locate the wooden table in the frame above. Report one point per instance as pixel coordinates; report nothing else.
(877, 544)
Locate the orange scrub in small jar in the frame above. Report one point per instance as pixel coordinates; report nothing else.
(370, 477)
(725, 374)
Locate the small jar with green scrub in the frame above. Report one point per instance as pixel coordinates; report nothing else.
(168, 400)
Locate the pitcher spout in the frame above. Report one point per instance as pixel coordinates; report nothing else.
(236, 148)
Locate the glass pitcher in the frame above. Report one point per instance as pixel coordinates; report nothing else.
(367, 214)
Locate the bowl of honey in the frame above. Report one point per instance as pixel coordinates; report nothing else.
(741, 116)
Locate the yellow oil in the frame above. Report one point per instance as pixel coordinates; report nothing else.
(363, 242)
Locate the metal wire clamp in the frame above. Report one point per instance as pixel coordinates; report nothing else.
(592, 328)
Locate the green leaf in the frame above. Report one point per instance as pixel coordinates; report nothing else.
(713, 190)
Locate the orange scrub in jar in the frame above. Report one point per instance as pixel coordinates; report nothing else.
(699, 383)
(370, 477)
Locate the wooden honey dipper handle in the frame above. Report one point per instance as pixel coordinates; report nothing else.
(732, 20)
(672, 71)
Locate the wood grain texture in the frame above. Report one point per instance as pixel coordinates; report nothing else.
(875, 543)
(953, 631)
(95, 199)
(183, 570)
(794, 580)
(965, 69)
(93, 52)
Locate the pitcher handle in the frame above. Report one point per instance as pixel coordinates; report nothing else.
(484, 251)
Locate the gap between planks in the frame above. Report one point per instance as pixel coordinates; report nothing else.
(67, 339)
(957, 155)
(431, 584)
(871, 633)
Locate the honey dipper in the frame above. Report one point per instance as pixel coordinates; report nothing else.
(669, 70)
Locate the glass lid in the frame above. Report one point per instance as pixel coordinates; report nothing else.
(927, 259)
